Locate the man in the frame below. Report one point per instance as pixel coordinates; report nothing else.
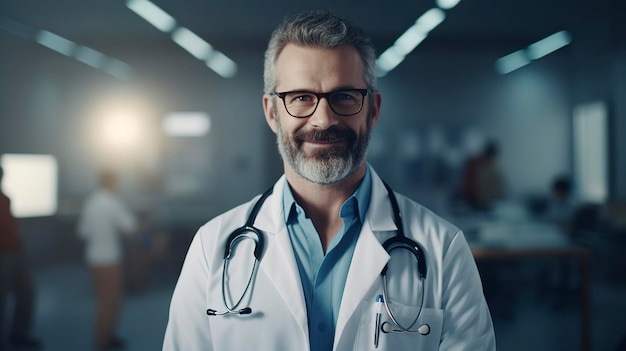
(15, 279)
(482, 182)
(318, 285)
(103, 222)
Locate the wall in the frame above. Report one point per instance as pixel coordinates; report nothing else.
(46, 99)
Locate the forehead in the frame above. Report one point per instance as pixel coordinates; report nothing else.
(319, 69)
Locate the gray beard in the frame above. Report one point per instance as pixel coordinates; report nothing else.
(325, 167)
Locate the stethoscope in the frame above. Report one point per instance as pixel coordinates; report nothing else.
(247, 231)
(399, 241)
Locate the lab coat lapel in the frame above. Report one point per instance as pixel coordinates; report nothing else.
(279, 262)
(369, 255)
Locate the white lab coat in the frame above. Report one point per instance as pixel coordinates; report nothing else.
(454, 305)
(103, 221)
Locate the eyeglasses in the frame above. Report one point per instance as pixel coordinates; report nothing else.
(302, 103)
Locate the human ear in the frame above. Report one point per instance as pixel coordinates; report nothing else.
(270, 111)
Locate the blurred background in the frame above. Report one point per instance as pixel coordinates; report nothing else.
(168, 94)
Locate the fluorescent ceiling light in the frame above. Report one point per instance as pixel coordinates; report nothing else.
(153, 14)
(430, 19)
(89, 57)
(186, 124)
(117, 68)
(534, 51)
(549, 44)
(511, 62)
(185, 38)
(447, 4)
(55, 42)
(68, 48)
(388, 60)
(222, 65)
(191, 42)
(409, 40)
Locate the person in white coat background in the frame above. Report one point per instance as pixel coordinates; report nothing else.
(103, 222)
(321, 235)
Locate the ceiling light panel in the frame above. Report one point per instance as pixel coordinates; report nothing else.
(153, 14)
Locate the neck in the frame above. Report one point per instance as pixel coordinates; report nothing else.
(322, 202)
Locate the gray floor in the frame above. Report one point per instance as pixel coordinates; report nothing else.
(66, 311)
(65, 314)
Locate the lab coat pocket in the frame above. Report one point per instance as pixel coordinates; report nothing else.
(429, 323)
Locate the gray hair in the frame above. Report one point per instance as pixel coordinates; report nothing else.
(318, 29)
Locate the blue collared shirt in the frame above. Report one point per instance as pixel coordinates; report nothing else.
(323, 276)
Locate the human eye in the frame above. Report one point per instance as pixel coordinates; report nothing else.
(300, 97)
(346, 96)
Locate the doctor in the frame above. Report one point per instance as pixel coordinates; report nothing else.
(320, 233)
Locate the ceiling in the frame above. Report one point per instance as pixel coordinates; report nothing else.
(472, 22)
(492, 27)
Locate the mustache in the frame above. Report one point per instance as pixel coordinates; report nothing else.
(332, 134)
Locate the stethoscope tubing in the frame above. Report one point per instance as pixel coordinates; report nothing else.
(249, 231)
(400, 241)
(234, 308)
(401, 328)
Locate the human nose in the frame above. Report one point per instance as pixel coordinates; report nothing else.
(324, 117)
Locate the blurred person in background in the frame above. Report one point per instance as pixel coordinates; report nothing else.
(16, 281)
(482, 181)
(557, 279)
(102, 224)
(561, 206)
(327, 228)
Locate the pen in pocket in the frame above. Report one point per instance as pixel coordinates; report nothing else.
(379, 310)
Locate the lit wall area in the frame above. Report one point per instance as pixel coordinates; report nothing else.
(30, 181)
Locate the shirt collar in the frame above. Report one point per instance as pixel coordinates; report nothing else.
(362, 197)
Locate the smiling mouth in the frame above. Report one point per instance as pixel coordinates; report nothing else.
(325, 142)
(334, 145)
(329, 138)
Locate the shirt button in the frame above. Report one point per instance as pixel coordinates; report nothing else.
(322, 327)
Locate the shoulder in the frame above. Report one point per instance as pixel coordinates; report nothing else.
(425, 226)
(415, 211)
(210, 239)
(419, 222)
(237, 216)
(228, 221)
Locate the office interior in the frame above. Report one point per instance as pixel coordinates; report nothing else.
(102, 99)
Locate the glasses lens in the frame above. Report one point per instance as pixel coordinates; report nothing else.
(300, 104)
(347, 102)
(342, 102)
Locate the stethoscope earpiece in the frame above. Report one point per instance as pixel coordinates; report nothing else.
(212, 312)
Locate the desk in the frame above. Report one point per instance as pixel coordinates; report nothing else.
(499, 240)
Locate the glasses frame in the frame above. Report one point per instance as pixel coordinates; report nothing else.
(319, 97)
